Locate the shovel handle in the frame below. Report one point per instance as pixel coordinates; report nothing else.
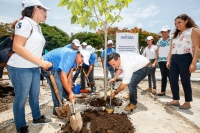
(85, 75)
(53, 82)
(73, 106)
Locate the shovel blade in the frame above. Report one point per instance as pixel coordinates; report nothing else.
(63, 112)
(79, 121)
(76, 122)
(73, 124)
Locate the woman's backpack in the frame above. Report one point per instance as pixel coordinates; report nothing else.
(6, 49)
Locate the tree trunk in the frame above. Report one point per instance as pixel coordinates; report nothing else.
(105, 59)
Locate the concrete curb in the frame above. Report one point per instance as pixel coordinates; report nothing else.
(172, 110)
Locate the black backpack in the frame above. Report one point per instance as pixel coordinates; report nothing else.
(5, 49)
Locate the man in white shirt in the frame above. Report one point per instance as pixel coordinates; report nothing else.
(135, 68)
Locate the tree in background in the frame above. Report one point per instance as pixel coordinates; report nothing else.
(95, 13)
(93, 39)
(55, 37)
(5, 29)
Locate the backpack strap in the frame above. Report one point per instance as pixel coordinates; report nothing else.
(31, 29)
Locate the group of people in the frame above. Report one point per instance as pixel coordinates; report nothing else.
(177, 56)
(27, 60)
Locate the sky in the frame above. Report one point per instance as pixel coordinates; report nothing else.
(150, 15)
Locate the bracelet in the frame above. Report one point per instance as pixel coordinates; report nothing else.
(41, 63)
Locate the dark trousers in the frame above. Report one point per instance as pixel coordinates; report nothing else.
(164, 73)
(152, 75)
(1, 72)
(90, 78)
(179, 65)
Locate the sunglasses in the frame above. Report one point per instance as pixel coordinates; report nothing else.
(109, 44)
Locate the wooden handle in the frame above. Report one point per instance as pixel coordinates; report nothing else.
(53, 82)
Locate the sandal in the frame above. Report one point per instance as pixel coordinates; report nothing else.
(153, 91)
(184, 107)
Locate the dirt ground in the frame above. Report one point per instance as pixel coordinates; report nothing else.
(149, 116)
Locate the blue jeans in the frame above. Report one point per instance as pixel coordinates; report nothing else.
(179, 65)
(26, 82)
(164, 73)
(59, 85)
(135, 80)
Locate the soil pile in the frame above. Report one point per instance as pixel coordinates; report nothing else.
(97, 102)
(102, 122)
(6, 96)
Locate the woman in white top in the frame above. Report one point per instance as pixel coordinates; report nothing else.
(24, 64)
(163, 50)
(182, 58)
(151, 53)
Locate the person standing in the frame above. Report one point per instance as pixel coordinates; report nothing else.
(182, 58)
(163, 50)
(109, 68)
(135, 68)
(84, 45)
(151, 53)
(88, 70)
(24, 65)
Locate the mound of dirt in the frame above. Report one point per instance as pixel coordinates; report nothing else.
(102, 122)
(98, 102)
(6, 96)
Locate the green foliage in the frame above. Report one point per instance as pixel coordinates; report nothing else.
(84, 12)
(5, 29)
(93, 39)
(55, 37)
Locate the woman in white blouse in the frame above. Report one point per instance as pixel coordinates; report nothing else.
(151, 53)
(182, 58)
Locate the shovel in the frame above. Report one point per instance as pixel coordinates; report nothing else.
(76, 120)
(91, 84)
(62, 111)
(109, 107)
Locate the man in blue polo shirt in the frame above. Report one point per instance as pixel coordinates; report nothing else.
(109, 68)
(63, 59)
(74, 45)
(89, 70)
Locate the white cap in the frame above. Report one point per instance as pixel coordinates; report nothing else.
(149, 38)
(86, 56)
(89, 49)
(27, 3)
(84, 43)
(76, 42)
(165, 28)
(110, 41)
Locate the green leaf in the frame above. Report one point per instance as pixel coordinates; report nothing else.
(63, 3)
(90, 4)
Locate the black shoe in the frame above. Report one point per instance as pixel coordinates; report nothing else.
(41, 120)
(23, 130)
(161, 94)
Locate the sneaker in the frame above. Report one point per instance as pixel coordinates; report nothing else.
(41, 120)
(130, 107)
(23, 130)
